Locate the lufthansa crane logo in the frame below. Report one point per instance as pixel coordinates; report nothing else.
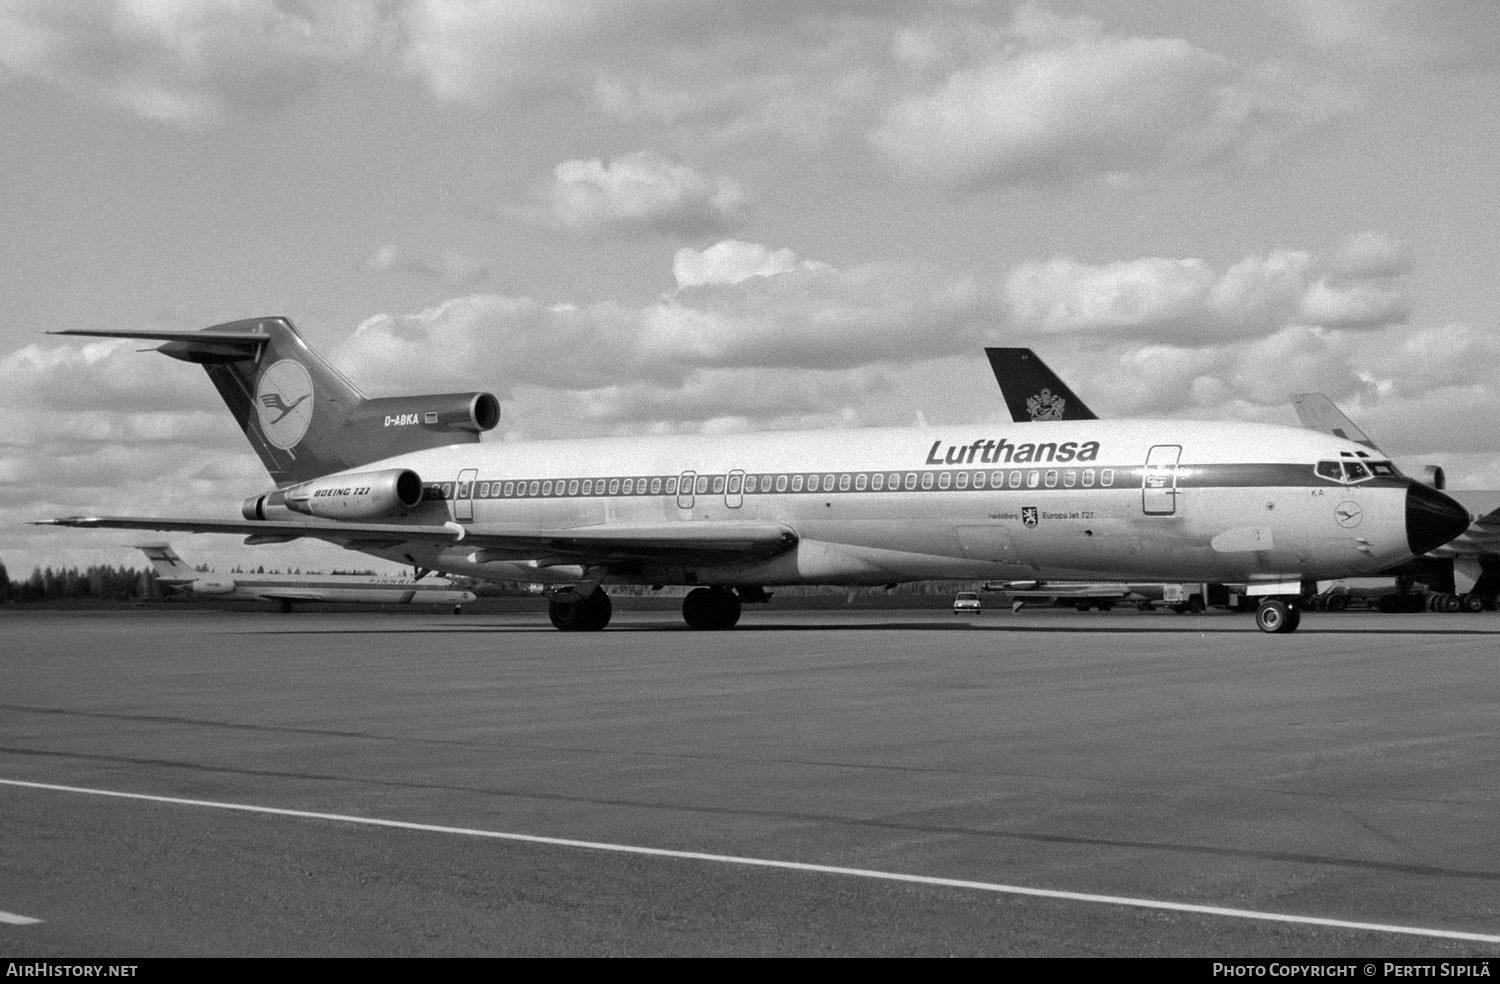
(1348, 514)
(284, 403)
(1045, 406)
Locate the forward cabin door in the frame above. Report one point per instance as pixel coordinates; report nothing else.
(1159, 480)
(685, 489)
(463, 495)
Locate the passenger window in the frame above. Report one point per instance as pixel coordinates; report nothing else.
(671, 486)
(844, 483)
(484, 490)
(1051, 481)
(827, 483)
(1107, 477)
(510, 489)
(911, 480)
(860, 481)
(1069, 478)
(734, 484)
(780, 483)
(877, 481)
(944, 480)
(627, 487)
(796, 483)
(655, 486)
(573, 487)
(546, 488)
(614, 486)
(1033, 479)
(702, 484)
(979, 480)
(1015, 480)
(1088, 478)
(894, 481)
(533, 487)
(961, 480)
(718, 484)
(561, 488)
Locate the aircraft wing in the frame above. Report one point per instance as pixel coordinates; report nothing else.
(284, 594)
(693, 542)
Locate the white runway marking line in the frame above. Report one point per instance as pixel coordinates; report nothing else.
(892, 876)
(12, 919)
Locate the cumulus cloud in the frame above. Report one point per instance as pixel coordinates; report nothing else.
(732, 261)
(807, 316)
(183, 61)
(642, 193)
(1186, 302)
(1064, 98)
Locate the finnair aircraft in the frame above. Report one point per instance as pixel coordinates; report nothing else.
(405, 478)
(290, 589)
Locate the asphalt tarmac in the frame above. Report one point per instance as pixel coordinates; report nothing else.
(1047, 783)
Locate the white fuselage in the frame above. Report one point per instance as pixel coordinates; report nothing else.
(1145, 500)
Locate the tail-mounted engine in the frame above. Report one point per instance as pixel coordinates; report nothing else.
(472, 413)
(357, 495)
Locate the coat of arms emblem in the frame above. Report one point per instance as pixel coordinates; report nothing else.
(1028, 515)
(1045, 406)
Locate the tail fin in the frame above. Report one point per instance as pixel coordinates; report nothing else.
(1317, 412)
(1031, 390)
(300, 414)
(168, 565)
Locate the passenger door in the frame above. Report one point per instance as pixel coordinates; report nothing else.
(463, 495)
(1159, 480)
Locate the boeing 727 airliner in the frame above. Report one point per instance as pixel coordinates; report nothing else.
(287, 590)
(404, 478)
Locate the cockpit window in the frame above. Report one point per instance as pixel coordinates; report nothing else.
(1384, 469)
(1330, 470)
(1354, 471)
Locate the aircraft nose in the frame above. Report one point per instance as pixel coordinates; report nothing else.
(1432, 519)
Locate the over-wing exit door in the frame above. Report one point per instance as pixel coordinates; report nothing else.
(1159, 481)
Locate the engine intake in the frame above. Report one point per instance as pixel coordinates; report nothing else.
(357, 495)
(472, 413)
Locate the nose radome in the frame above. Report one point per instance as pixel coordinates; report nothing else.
(1432, 519)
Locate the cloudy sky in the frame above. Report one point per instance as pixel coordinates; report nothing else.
(693, 215)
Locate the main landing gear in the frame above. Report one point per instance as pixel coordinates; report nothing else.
(1278, 615)
(573, 613)
(711, 608)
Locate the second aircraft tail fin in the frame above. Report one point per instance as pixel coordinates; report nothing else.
(1032, 391)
